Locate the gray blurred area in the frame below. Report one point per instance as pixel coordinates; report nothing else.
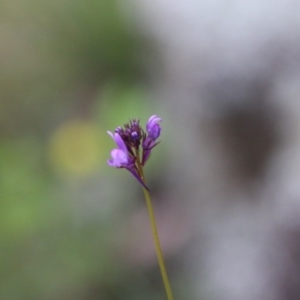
(228, 75)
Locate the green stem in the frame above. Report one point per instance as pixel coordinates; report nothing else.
(155, 237)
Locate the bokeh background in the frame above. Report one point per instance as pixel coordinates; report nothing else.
(225, 181)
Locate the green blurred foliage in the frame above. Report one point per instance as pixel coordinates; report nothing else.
(69, 71)
(53, 53)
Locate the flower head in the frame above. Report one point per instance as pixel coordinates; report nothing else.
(129, 140)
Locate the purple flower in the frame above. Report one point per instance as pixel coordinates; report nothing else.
(129, 140)
(153, 128)
(119, 156)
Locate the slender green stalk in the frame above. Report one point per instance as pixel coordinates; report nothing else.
(156, 238)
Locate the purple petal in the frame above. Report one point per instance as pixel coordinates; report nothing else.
(152, 120)
(119, 141)
(119, 158)
(153, 128)
(155, 133)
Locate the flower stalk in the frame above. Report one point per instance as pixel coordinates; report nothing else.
(156, 239)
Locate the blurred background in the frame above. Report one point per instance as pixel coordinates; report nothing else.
(225, 181)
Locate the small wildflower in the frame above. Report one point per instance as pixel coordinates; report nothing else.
(134, 146)
(129, 139)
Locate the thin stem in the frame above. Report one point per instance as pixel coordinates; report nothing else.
(155, 237)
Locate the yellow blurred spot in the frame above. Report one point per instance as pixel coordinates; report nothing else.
(75, 148)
